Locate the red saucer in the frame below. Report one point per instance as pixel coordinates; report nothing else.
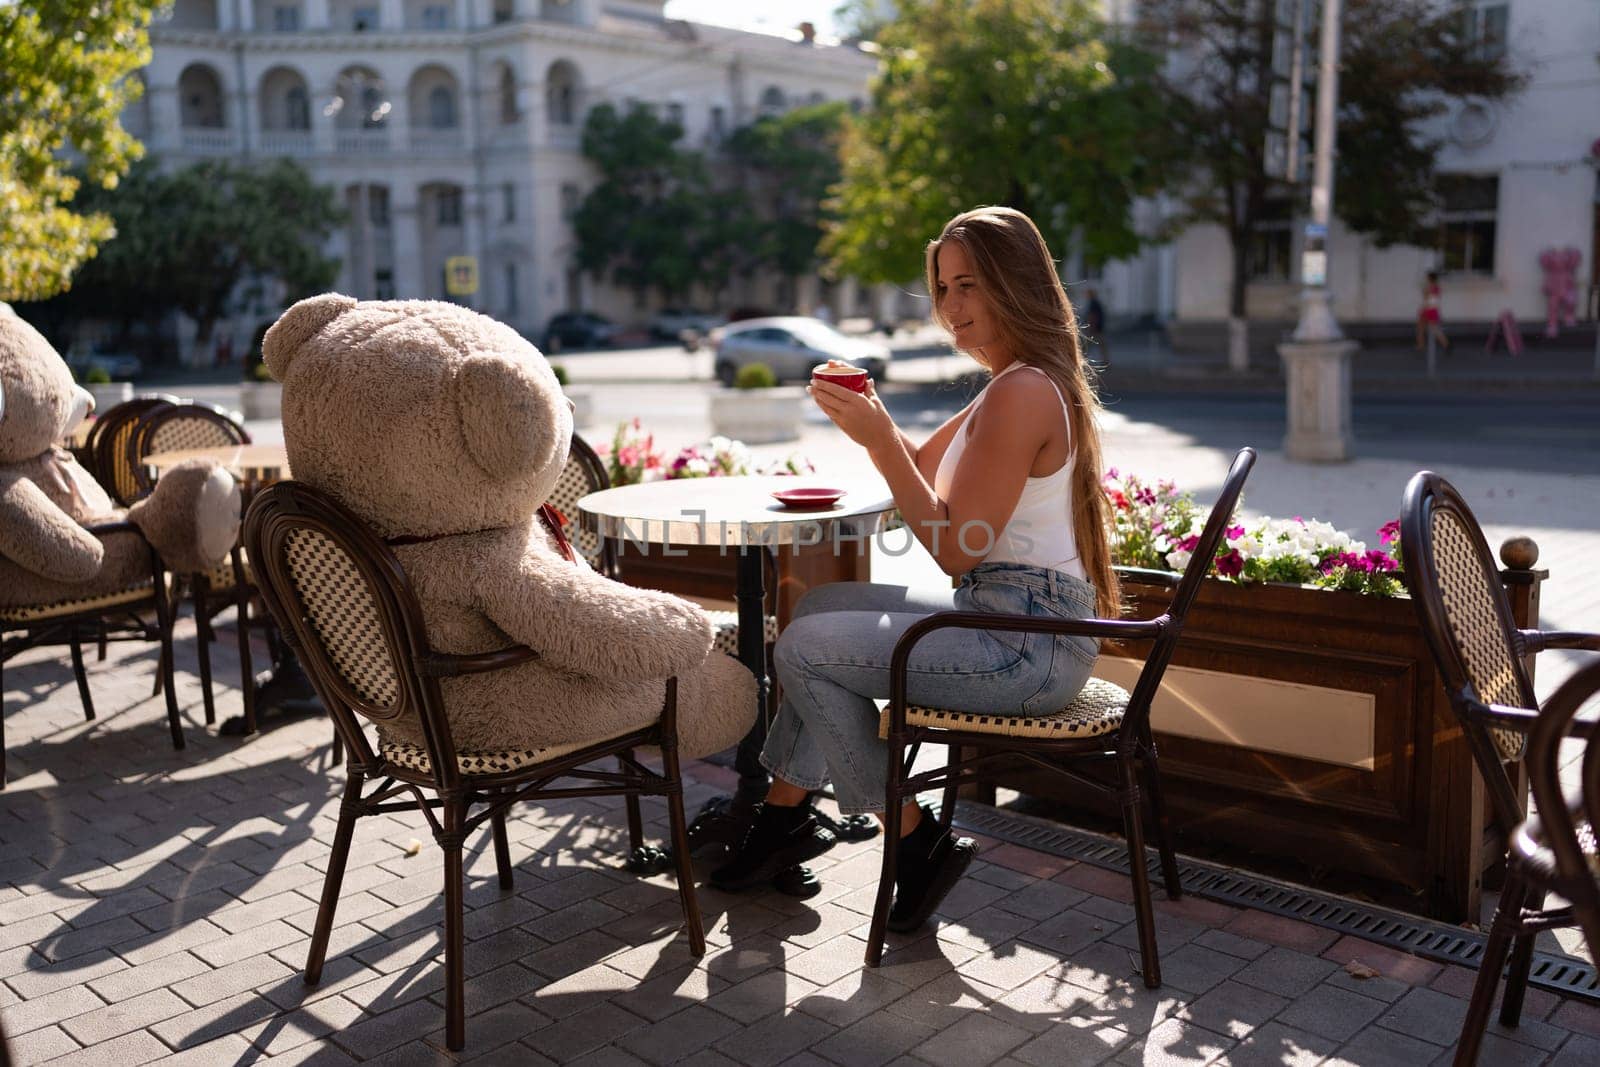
(808, 498)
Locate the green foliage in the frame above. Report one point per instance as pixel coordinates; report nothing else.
(261, 373)
(1027, 103)
(187, 238)
(1401, 63)
(561, 374)
(66, 71)
(97, 376)
(789, 163)
(654, 221)
(755, 376)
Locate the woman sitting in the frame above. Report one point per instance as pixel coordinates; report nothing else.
(1006, 496)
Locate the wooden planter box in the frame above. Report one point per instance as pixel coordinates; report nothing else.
(1310, 724)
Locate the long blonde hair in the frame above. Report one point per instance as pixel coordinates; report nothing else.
(1018, 280)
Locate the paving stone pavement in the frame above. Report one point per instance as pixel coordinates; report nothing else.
(155, 906)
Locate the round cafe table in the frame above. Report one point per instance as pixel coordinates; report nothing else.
(740, 516)
(256, 466)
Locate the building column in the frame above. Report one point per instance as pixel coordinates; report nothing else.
(224, 12)
(246, 16)
(465, 19)
(316, 14)
(392, 15)
(166, 120)
(322, 123)
(405, 225)
(474, 209)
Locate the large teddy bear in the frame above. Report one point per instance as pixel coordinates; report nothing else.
(46, 499)
(446, 431)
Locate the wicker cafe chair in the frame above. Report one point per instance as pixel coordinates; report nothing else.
(107, 445)
(585, 473)
(1104, 726)
(345, 606)
(173, 428)
(1466, 616)
(119, 615)
(1556, 850)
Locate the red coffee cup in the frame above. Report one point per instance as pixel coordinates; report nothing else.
(852, 378)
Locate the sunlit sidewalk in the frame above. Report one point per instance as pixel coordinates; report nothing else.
(155, 906)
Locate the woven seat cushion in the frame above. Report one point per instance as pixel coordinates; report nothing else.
(415, 757)
(726, 630)
(1096, 710)
(62, 608)
(222, 577)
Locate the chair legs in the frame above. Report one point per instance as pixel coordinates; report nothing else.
(635, 818)
(1163, 825)
(451, 815)
(680, 839)
(349, 812)
(1133, 827)
(247, 673)
(164, 673)
(947, 804)
(199, 589)
(82, 677)
(502, 848)
(891, 835)
(1517, 981)
(1501, 934)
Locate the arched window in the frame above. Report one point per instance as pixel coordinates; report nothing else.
(509, 112)
(561, 94)
(374, 108)
(441, 108)
(296, 109)
(200, 98)
(772, 100)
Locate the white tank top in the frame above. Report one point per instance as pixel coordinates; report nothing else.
(1039, 532)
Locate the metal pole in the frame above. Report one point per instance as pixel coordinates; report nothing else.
(1316, 310)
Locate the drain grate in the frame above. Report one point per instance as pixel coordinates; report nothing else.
(1563, 975)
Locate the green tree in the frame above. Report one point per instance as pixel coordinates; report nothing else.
(188, 239)
(1402, 63)
(66, 71)
(1027, 103)
(653, 221)
(788, 163)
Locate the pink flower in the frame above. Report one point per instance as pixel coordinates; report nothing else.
(1188, 543)
(1389, 531)
(1112, 475)
(1380, 562)
(1145, 496)
(1230, 565)
(629, 456)
(1235, 532)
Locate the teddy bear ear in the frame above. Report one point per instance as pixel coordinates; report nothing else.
(297, 326)
(500, 415)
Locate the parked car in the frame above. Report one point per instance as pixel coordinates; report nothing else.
(791, 345)
(670, 322)
(120, 366)
(579, 329)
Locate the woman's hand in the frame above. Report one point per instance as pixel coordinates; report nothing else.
(861, 416)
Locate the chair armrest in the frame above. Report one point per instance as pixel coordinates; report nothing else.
(1119, 629)
(1522, 720)
(1539, 640)
(446, 665)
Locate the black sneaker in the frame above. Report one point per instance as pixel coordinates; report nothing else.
(927, 873)
(779, 838)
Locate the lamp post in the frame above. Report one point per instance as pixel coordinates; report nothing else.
(1317, 359)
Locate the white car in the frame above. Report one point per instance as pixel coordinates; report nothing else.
(791, 345)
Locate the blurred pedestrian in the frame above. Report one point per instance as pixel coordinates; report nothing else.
(1428, 324)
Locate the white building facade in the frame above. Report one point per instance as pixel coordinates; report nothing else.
(1516, 178)
(451, 127)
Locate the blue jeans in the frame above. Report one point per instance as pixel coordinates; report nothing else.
(833, 664)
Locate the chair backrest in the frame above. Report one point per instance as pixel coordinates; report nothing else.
(1205, 550)
(1578, 870)
(107, 445)
(343, 602)
(584, 473)
(177, 428)
(1466, 616)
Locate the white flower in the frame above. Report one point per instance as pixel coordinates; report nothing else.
(1178, 559)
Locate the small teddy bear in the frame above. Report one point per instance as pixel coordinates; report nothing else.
(445, 431)
(47, 500)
